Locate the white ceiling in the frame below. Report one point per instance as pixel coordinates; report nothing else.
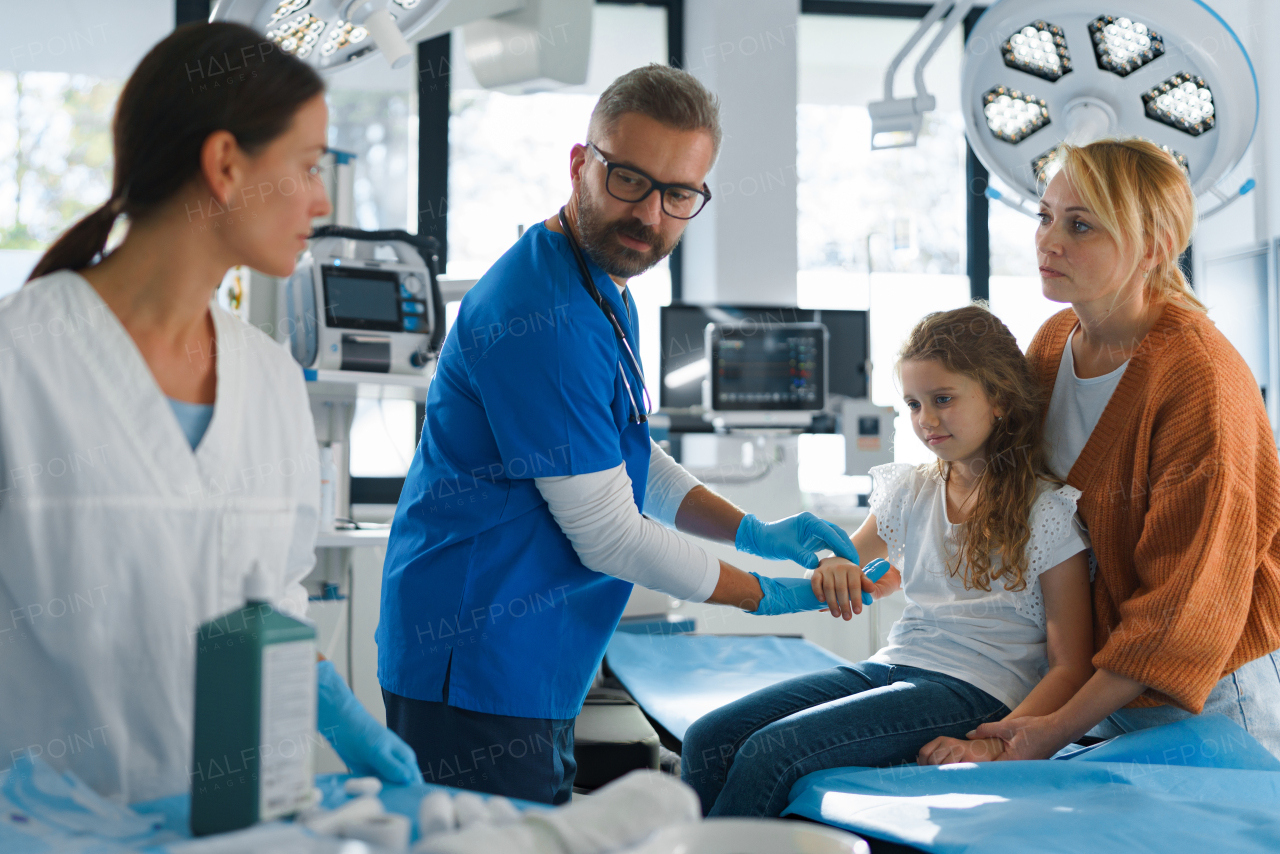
(103, 38)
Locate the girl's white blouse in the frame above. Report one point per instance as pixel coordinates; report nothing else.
(994, 640)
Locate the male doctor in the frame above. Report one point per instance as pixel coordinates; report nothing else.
(519, 532)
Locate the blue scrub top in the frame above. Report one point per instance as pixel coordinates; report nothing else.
(479, 581)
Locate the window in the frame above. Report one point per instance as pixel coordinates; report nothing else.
(509, 155)
(1016, 296)
(879, 230)
(373, 115)
(55, 161)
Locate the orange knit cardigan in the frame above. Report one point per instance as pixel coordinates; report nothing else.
(1181, 496)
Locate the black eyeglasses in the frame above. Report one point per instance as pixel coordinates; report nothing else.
(628, 184)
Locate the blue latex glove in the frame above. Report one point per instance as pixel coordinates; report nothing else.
(875, 571)
(785, 596)
(798, 538)
(368, 748)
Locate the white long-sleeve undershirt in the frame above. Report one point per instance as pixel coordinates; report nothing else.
(598, 513)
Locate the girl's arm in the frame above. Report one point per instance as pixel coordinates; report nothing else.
(840, 584)
(1069, 641)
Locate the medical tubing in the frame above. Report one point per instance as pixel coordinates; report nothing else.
(428, 247)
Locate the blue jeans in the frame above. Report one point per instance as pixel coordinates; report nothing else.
(743, 758)
(529, 758)
(1250, 696)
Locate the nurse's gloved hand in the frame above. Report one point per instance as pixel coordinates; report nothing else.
(785, 596)
(368, 748)
(798, 538)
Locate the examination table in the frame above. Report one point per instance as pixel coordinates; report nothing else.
(1202, 784)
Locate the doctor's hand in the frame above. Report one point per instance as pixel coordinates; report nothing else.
(798, 538)
(945, 751)
(784, 596)
(837, 582)
(368, 748)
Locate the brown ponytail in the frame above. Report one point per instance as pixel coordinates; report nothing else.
(76, 247)
(199, 79)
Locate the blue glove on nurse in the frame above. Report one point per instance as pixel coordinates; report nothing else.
(368, 748)
(798, 538)
(793, 595)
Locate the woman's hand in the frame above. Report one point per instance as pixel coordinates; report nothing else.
(944, 751)
(840, 584)
(1024, 738)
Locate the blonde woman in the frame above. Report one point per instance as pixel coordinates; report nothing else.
(1157, 419)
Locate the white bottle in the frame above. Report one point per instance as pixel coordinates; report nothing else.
(328, 489)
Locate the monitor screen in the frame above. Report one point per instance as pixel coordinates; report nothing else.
(774, 367)
(682, 367)
(362, 299)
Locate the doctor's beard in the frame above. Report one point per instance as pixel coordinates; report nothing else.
(599, 241)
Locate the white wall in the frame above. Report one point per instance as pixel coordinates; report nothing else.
(102, 38)
(742, 248)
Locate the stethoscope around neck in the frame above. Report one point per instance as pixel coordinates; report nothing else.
(639, 406)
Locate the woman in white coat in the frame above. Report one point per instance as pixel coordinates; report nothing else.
(153, 446)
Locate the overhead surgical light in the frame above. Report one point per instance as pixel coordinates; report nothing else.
(1039, 48)
(335, 34)
(1184, 102)
(1123, 45)
(517, 46)
(1012, 115)
(1170, 71)
(896, 122)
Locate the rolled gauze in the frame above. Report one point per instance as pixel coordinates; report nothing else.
(501, 811)
(389, 830)
(436, 814)
(519, 838)
(470, 809)
(621, 814)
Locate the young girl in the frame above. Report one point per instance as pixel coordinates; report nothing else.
(986, 546)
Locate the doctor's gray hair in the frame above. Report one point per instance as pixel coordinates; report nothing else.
(667, 95)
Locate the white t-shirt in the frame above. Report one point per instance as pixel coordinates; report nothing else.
(1074, 410)
(994, 640)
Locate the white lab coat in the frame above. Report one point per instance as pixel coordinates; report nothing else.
(117, 541)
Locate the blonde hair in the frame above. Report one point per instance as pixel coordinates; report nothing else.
(1142, 199)
(973, 342)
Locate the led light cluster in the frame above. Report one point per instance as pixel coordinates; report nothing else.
(1038, 165)
(1012, 115)
(297, 35)
(1183, 101)
(1039, 48)
(1123, 45)
(287, 8)
(344, 33)
(1178, 157)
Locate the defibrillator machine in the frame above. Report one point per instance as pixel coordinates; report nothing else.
(365, 301)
